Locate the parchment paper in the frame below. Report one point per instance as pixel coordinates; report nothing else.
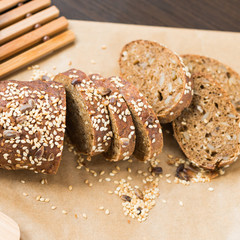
(205, 214)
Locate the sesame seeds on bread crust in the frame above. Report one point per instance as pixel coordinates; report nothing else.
(228, 79)
(32, 120)
(159, 74)
(208, 131)
(88, 123)
(149, 140)
(123, 141)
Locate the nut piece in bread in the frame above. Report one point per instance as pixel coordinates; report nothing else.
(32, 125)
(160, 75)
(228, 79)
(88, 123)
(208, 131)
(149, 140)
(123, 142)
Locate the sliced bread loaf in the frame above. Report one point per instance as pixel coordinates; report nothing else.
(88, 123)
(208, 131)
(160, 75)
(123, 142)
(149, 141)
(224, 75)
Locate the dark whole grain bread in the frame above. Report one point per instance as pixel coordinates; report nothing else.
(223, 74)
(160, 75)
(149, 140)
(123, 142)
(208, 131)
(88, 123)
(32, 125)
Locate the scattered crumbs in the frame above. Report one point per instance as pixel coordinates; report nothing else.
(53, 207)
(64, 212)
(107, 212)
(103, 47)
(168, 181)
(164, 201)
(25, 194)
(70, 188)
(180, 203)
(210, 189)
(101, 208)
(93, 62)
(84, 215)
(22, 181)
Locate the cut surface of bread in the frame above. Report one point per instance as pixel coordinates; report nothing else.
(149, 141)
(208, 131)
(223, 74)
(159, 74)
(88, 123)
(123, 141)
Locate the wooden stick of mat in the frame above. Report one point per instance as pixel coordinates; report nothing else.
(6, 4)
(37, 52)
(27, 24)
(19, 13)
(29, 39)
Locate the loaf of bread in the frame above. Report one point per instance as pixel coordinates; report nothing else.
(32, 125)
(88, 123)
(160, 75)
(228, 79)
(123, 142)
(149, 140)
(208, 131)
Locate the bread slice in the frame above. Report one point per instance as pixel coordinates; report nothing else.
(160, 75)
(208, 131)
(149, 141)
(224, 75)
(88, 123)
(123, 142)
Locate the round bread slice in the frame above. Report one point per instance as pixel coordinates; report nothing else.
(228, 79)
(32, 125)
(88, 123)
(149, 140)
(208, 131)
(160, 75)
(123, 142)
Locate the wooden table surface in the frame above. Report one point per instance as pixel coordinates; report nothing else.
(200, 14)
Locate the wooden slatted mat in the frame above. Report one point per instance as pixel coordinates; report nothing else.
(29, 30)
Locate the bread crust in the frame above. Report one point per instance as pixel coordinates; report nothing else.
(123, 142)
(99, 121)
(183, 100)
(32, 125)
(144, 114)
(212, 154)
(223, 74)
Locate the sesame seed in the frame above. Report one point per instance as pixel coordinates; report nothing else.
(210, 189)
(103, 47)
(84, 215)
(101, 208)
(22, 181)
(180, 203)
(70, 188)
(107, 212)
(108, 179)
(53, 207)
(64, 212)
(25, 194)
